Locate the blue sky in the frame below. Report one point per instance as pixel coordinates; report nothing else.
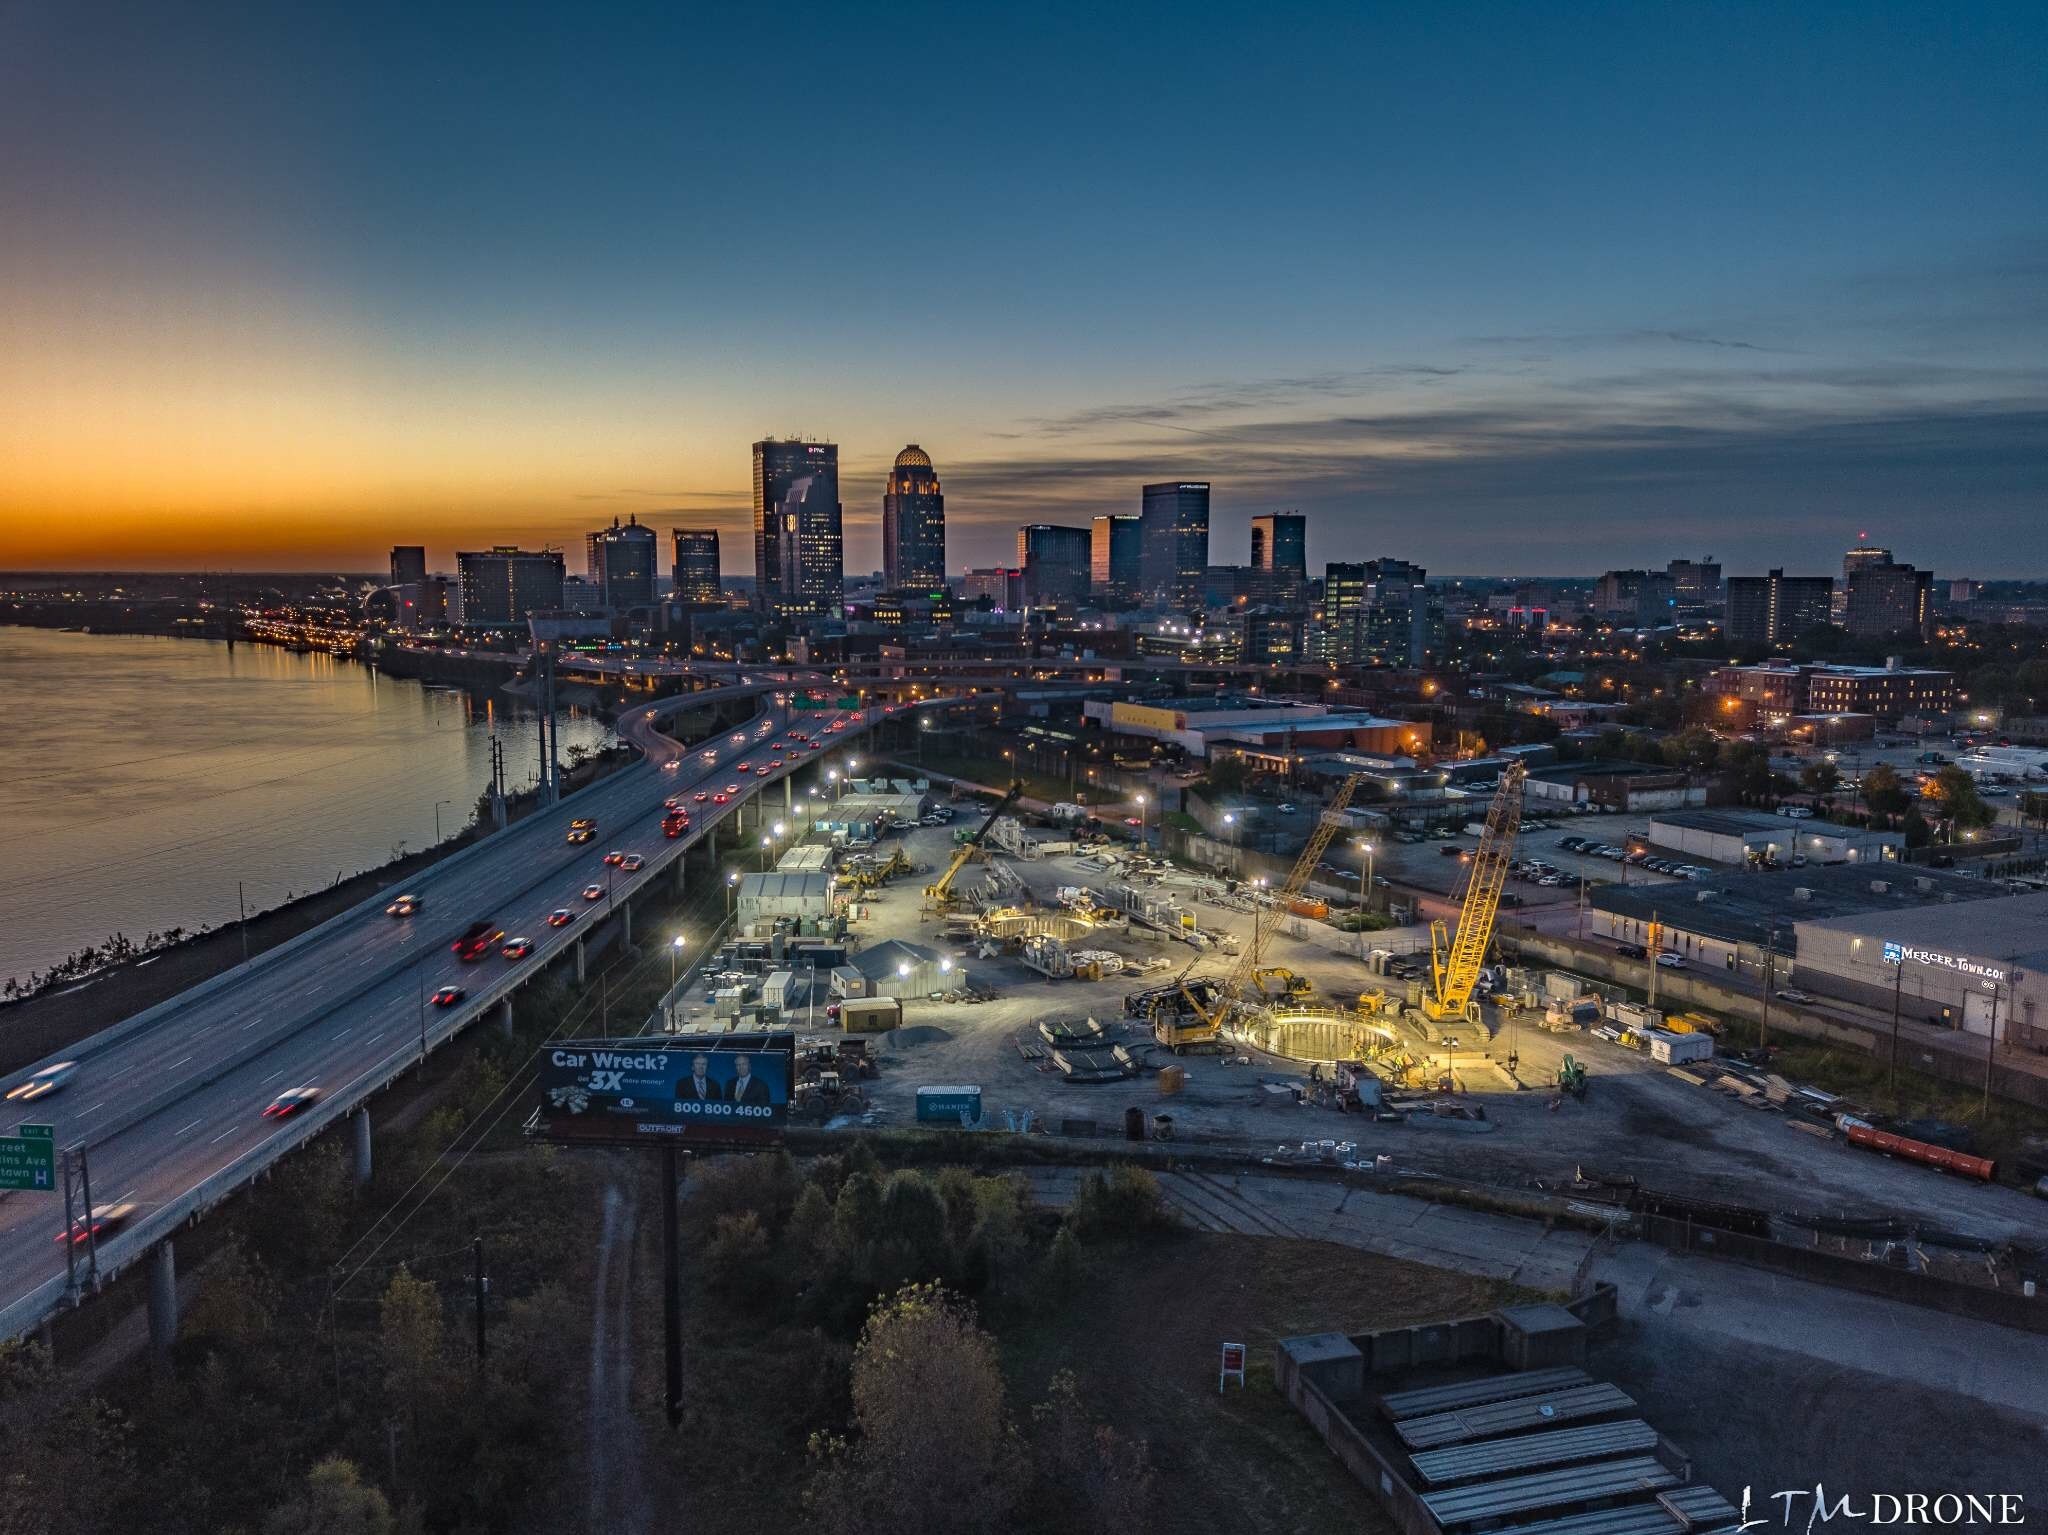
(1497, 288)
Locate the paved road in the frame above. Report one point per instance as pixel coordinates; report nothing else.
(180, 1097)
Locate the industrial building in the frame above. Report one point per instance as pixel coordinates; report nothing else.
(1785, 690)
(1749, 922)
(1626, 786)
(767, 899)
(894, 968)
(1260, 730)
(1980, 968)
(861, 814)
(1743, 837)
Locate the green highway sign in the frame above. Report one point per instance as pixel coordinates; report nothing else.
(36, 1132)
(28, 1162)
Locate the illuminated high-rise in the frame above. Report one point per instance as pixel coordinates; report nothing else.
(799, 548)
(913, 525)
(1176, 542)
(694, 573)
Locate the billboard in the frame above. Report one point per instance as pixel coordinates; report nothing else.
(720, 1090)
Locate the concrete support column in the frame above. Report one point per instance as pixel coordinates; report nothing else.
(163, 1301)
(505, 1017)
(682, 867)
(359, 1131)
(788, 794)
(626, 924)
(579, 962)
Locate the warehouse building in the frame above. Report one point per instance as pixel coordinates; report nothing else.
(894, 968)
(1262, 731)
(857, 817)
(1980, 968)
(767, 899)
(1628, 786)
(1748, 923)
(1744, 837)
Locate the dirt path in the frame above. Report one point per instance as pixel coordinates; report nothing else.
(618, 1493)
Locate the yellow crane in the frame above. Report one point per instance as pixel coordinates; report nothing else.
(1454, 960)
(1241, 985)
(939, 893)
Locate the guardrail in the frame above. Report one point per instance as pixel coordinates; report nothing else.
(117, 1252)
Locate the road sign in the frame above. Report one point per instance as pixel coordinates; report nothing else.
(36, 1132)
(28, 1162)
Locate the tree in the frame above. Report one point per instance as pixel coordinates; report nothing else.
(808, 1238)
(1746, 771)
(411, 1324)
(1094, 1479)
(932, 1451)
(1884, 794)
(1956, 791)
(1062, 1271)
(335, 1501)
(1820, 777)
(736, 1258)
(235, 1306)
(1696, 748)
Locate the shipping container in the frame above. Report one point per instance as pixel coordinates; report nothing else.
(1309, 906)
(949, 1106)
(870, 1015)
(1677, 1049)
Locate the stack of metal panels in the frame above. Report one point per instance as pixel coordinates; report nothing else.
(1547, 1489)
(1525, 1452)
(1490, 1419)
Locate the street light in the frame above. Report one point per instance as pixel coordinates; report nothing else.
(675, 950)
(732, 879)
(1143, 831)
(1366, 890)
(1236, 854)
(437, 818)
(765, 842)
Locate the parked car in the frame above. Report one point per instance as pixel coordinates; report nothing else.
(1793, 994)
(1671, 961)
(1631, 951)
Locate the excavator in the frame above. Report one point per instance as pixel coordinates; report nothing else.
(1291, 987)
(938, 895)
(1199, 1020)
(1455, 959)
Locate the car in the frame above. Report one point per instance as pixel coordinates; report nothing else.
(42, 1083)
(102, 1221)
(448, 996)
(561, 916)
(1631, 951)
(291, 1100)
(632, 863)
(1131, 820)
(720, 798)
(761, 772)
(1287, 809)
(743, 767)
(1551, 880)
(732, 788)
(476, 941)
(673, 802)
(593, 892)
(404, 906)
(1451, 852)
(581, 831)
(516, 948)
(1794, 994)
(615, 857)
(1671, 961)
(700, 796)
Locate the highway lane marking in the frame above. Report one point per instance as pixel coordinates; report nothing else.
(222, 1136)
(94, 1109)
(193, 1126)
(343, 1034)
(177, 1063)
(271, 1078)
(251, 1024)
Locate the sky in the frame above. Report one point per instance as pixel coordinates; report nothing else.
(1516, 289)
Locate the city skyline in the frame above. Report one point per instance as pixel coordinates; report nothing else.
(1747, 281)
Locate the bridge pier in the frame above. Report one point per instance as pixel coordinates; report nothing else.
(788, 793)
(682, 868)
(580, 977)
(505, 1017)
(163, 1302)
(626, 924)
(359, 1140)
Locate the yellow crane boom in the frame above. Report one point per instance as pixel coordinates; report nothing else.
(1455, 961)
(1328, 824)
(940, 890)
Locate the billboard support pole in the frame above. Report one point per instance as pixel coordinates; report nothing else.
(672, 1282)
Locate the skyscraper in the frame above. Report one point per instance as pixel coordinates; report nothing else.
(913, 525)
(622, 561)
(1886, 599)
(799, 551)
(408, 564)
(500, 586)
(1055, 562)
(1776, 609)
(1116, 550)
(1696, 583)
(1347, 588)
(1176, 541)
(1280, 556)
(694, 573)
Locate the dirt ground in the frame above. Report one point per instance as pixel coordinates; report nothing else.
(1637, 1119)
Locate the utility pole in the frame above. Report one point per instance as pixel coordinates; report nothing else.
(1763, 1031)
(483, 1289)
(1898, 978)
(1656, 948)
(242, 912)
(1991, 1045)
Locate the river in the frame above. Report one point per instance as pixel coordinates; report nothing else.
(142, 779)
